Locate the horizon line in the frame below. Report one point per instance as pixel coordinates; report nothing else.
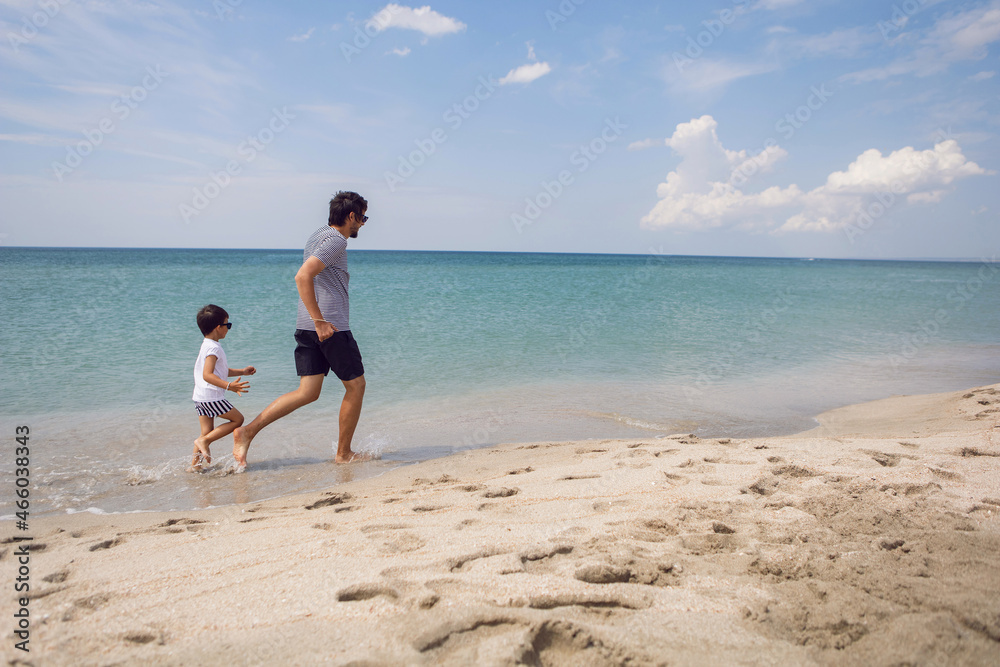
(524, 252)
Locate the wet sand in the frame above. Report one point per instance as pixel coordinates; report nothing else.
(872, 539)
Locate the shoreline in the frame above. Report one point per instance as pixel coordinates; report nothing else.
(872, 538)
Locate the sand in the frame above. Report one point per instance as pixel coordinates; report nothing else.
(873, 539)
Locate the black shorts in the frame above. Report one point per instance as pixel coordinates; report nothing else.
(338, 353)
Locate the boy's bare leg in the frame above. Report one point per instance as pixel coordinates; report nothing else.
(308, 391)
(201, 451)
(234, 418)
(350, 412)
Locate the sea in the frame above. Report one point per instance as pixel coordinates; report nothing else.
(462, 350)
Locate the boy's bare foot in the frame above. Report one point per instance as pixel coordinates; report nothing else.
(241, 445)
(356, 457)
(196, 463)
(202, 446)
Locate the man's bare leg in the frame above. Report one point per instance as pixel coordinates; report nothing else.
(350, 412)
(308, 391)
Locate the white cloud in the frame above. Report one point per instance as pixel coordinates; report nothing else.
(955, 38)
(34, 139)
(776, 4)
(702, 194)
(847, 43)
(526, 73)
(705, 74)
(422, 19)
(303, 37)
(982, 76)
(402, 53)
(644, 144)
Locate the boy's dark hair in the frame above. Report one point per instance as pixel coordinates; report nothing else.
(210, 317)
(343, 205)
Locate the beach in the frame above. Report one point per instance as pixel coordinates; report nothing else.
(872, 539)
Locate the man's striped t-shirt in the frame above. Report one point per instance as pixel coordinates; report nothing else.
(330, 247)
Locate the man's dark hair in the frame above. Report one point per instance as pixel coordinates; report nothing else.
(210, 317)
(343, 205)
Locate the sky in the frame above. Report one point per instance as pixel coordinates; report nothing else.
(778, 128)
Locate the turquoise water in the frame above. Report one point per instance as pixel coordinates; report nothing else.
(461, 350)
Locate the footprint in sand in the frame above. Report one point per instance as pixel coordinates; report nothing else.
(502, 492)
(945, 474)
(456, 564)
(331, 498)
(397, 541)
(359, 592)
(975, 451)
(794, 471)
(56, 577)
(106, 544)
(471, 488)
(675, 480)
(183, 522)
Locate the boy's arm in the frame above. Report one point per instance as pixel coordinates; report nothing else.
(307, 292)
(208, 374)
(249, 370)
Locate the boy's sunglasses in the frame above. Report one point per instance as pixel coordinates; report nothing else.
(228, 325)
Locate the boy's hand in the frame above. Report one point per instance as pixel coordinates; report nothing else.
(239, 387)
(249, 370)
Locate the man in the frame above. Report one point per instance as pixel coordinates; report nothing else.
(323, 331)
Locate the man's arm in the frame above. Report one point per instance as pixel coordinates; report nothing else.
(307, 292)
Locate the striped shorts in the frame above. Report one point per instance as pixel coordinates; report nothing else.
(213, 408)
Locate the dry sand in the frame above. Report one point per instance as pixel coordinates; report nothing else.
(871, 540)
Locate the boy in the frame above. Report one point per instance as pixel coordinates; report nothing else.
(210, 385)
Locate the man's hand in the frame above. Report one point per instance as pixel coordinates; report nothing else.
(324, 330)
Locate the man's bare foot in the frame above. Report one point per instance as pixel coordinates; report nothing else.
(241, 445)
(356, 457)
(202, 446)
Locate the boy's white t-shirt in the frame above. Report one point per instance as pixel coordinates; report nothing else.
(203, 391)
